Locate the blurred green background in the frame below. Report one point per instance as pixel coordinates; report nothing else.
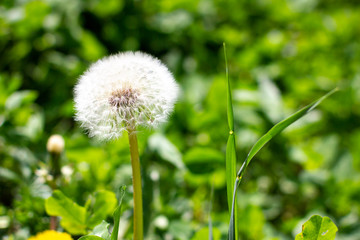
(282, 54)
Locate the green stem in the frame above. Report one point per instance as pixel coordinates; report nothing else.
(56, 173)
(138, 206)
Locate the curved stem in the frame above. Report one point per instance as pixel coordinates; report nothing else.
(138, 206)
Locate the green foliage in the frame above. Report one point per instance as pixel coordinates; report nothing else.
(281, 55)
(204, 233)
(76, 219)
(101, 231)
(317, 228)
(203, 160)
(73, 216)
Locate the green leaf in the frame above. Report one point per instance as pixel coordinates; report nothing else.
(20, 98)
(203, 160)
(73, 216)
(117, 214)
(318, 228)
(90, 237)
(105, 203)
(101, 231)
(166, 150)
(230, 155)
(205, 233)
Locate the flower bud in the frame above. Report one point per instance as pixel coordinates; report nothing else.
(55, 144)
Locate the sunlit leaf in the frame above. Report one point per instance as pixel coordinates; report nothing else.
(100, 231)
(318, 228)
(73, 216)
(91, 237)
(166, 150)
(104, 205)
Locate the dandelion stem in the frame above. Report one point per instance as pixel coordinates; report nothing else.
(138, 206)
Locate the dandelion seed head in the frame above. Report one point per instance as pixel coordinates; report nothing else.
(124, 91)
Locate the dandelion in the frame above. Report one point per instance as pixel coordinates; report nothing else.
(51, 234)
(120, 93)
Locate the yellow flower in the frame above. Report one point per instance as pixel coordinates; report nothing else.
(51, 235)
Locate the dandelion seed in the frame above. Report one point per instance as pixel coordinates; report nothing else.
(124, 91)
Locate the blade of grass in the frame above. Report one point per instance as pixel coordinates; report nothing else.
(116, 215)
(230, 152)
(278, 128)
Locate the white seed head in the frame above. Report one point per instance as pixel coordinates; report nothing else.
(124, 91)
(55, 144)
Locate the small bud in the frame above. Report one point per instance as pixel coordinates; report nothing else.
(55, 144)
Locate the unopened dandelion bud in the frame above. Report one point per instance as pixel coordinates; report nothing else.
(122, 92)
(55, 144)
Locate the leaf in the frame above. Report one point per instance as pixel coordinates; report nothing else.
(19, 98)
(203, 160)
(117, 213)
(90, 237)
(230, 154)
(278, 128)
(105, 203)
(101, 231)
(205, 233)
(166, 150)
(73, 216)
(270, 98)
(318, 228)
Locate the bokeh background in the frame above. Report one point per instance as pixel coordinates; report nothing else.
(282, 55)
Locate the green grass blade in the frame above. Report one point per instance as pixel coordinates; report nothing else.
(259, 144)
(230, 113)
(117, 213)
(230, 152)
(279, 128)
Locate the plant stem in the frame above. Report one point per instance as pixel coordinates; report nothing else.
(138, 206)
(55, 172)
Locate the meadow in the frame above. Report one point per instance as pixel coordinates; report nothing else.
(281, 56)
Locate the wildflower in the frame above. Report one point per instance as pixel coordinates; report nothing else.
(51, 234)
(122, 92)
(55, 144)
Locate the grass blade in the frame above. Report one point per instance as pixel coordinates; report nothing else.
(230, 153)
(278, 128)
(116, 215)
